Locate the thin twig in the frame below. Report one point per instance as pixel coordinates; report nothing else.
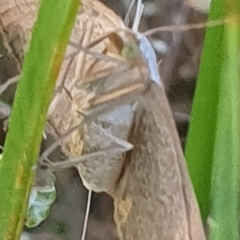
(185, 27)
(86, 215)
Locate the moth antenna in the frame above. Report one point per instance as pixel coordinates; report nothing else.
(138, 16)
(126, 19)
(185, 27)
(86, 215)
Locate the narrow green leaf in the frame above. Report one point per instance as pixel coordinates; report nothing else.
(202, 130)
(33, 96)
(224, 213)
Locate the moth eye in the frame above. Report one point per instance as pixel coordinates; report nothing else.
(130, 51)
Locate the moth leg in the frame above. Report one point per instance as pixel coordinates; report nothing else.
(94, 54)
(89, 115)
(81, 58)
(72, 162)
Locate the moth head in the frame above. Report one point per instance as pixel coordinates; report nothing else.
(130, 51)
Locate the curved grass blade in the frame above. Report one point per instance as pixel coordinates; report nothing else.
(34, 93)
(202, 130)
(224, 214)
(213, 142)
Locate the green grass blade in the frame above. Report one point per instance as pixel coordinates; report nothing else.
(41, 66)
(202, 130)
(226, 171)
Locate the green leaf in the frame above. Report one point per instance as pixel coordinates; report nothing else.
(202, 130)
(34, 93)
(226, 172)
(213, 142)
